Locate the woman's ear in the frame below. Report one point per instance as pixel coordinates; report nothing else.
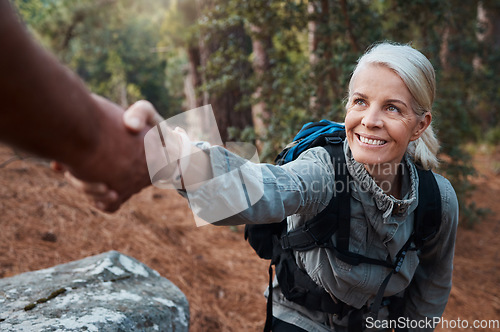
(423, 122)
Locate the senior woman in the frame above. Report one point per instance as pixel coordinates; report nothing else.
(389, 132)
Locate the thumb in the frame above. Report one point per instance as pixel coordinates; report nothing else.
(140, 115)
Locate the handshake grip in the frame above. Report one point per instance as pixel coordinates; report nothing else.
(236, 183)
(167, 164)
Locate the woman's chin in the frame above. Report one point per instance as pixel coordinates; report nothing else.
(367, 158)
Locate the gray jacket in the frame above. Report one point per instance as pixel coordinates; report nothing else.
(380, 225)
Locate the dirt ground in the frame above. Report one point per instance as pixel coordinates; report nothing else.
(45, 222)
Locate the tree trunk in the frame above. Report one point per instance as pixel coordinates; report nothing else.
(261, 43)
(193, 80)
(324, 73)
(312, 36)
(489, 19)
(224, 103)
(311, 32)
(349, 29)
(488, 34)
(444, 50)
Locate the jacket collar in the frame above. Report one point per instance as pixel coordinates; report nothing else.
(388, 205)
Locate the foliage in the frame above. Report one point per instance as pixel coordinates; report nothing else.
(444, 30)
(111, 44)
(144, 49)
(493, 136)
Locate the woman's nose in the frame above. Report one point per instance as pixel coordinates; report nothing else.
(372, 117)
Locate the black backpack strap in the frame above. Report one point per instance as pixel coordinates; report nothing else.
(335, 218)
(269, 306)
(259, 236)
(296, 285)
(317, 232)
(377, 302)
(396, 305)
(428, 212)
(342, 203)
(427, 220)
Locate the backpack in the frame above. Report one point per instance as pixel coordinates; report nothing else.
(272, 241)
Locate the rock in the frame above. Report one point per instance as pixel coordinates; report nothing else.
(107, 292)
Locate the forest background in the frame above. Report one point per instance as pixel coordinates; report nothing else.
(267, 67)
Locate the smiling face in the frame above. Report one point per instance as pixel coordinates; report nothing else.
(380, 121)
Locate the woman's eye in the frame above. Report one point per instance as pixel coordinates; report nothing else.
(359, 102)
(392, 108)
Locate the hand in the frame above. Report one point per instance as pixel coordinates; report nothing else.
(140, 116)
(98, 191)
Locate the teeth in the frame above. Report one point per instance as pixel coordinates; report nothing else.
(371, 141)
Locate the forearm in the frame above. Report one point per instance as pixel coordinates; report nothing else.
(242, 192)
(46, 109)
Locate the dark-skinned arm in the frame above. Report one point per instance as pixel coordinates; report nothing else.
(48, 111)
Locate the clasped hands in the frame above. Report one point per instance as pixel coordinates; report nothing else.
(109, 192)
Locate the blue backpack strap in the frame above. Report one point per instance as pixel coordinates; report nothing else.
(308, 137)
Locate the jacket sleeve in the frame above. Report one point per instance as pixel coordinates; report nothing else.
(428, 293)
(243, 192)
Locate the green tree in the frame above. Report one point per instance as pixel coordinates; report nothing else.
(446, 32)
(110, 44)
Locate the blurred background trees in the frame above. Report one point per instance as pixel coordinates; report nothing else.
(267, 67)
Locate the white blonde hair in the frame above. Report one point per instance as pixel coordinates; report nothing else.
(417, 73)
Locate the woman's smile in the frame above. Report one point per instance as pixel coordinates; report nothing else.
(370, 141)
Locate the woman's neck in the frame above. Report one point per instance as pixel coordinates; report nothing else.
(387, 177)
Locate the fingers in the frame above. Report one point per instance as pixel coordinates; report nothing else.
(108, 202)
(140, 115)
(90, 188)
(103, 198)
(118, 158)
